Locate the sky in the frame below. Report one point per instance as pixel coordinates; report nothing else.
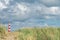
(30, 13)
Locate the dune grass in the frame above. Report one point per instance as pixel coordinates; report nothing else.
(2, 32)
(39, 34)
(47, 33)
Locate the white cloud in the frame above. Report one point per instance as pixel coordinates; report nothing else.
(48, 17)
(4, 3)
(7, 1)
(20, 11)
(46, 24)
(2, 6)
(22, 7)
(51, 10)
(54, 10)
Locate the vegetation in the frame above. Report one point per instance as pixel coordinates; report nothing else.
(40, 34)
(2, 32)
(31, 34)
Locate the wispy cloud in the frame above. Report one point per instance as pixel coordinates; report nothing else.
(30, 13)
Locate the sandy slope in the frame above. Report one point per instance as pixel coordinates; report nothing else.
(11, 36)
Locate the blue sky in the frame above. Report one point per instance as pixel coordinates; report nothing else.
(30, 13)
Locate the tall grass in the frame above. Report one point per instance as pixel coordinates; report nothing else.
(2, 32)
(32, 34)
(39, 34)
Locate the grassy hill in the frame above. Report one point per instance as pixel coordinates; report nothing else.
(31, 34)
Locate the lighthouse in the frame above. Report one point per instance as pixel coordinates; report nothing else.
(9, 27)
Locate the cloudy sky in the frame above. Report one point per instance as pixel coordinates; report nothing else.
(30, 13)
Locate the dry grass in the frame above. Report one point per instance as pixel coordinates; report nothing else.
(31, 34)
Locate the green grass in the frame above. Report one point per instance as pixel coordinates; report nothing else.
(40, 34)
